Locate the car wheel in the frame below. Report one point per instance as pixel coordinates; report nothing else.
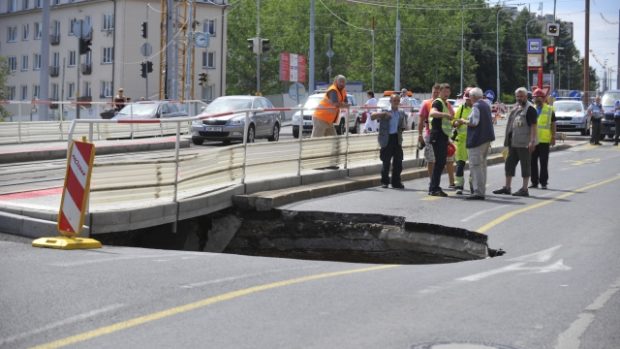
(276, 134)
(356, 126)
(197, 140)
(251, 134)
(295, 133)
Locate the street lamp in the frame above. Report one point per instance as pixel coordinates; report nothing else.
(527, 38)
(497, 47)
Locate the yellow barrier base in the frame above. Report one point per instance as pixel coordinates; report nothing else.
(66, 243)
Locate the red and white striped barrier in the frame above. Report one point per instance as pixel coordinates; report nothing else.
(76, 189)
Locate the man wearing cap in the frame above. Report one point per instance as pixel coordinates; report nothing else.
(120, 100)
(546, 139)
(460, 124)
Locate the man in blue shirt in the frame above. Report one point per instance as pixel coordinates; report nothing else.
(392, 123)
(617, 120)
(595, 113)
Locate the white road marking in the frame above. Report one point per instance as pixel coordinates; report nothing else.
(571, 338)
(479, 213)
(122, 258)
(540, 256)
(61, 323)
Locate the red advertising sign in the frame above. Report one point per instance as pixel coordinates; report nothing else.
(292, 67)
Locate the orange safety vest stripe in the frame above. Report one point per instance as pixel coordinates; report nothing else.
(326, 110)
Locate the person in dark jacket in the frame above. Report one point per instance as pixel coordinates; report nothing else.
(392, 123)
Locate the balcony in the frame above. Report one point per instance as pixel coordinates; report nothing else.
(54, 71)
(87, 68)
(54, 39)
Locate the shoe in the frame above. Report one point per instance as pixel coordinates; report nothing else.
(533, 186)
(439, 193)
(398, 186)
(475, 197)
(384, 185)
(452, 186)
(521, 192)
(544, 186)
(503, 190)
(459, 192)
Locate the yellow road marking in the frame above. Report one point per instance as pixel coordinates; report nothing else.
(122, 325)
(584, 161)
(511, 214)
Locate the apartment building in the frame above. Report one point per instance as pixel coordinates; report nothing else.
(117, 48)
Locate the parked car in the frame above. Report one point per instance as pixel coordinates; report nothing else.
(608, 126)
(571, 116)
(355, 118)
(413, 114)
(151, 110)
(226, 128)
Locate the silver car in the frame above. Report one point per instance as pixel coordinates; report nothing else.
(571, 116)
(229, 127)
(151, 110)
(312, 103)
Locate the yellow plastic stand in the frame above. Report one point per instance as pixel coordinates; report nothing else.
(67, 243)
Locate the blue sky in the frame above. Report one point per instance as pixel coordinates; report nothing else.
(603, 27)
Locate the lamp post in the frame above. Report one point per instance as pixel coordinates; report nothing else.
(527, 38)
(497, 47)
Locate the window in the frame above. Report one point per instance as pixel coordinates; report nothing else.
(88, 58)
(55, 2)
(11, 34)
(72, 59)
(37, 3)
(208, 60)
(209, 26)
(70, 90)
(54, 94)
(24, 62)
(11, 6)
(25, 4)
(24, 92)
(37, 31)
(25, 31)
(56, 26)
(71, 23)
(36, 91)
(12, 63)
(108, 22)
(106, 89)
(36, 62)
(88, 91)
(207, 93)
(56, 59)
(108, 54)
(11, 93)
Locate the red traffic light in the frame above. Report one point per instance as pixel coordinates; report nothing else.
(550, 50)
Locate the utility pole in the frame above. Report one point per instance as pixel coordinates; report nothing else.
(259, 49)
(397, 53)
(462, 48)
(311, 51)
(44, 77)
(586, 58)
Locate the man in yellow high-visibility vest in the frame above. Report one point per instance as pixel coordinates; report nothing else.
(546, 139)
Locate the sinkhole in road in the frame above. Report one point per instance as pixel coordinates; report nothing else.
(315, 235)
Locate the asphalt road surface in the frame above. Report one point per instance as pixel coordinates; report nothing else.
(557, 286)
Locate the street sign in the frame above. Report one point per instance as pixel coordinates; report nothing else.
(490, 95)
(146, 49)
(534, 60)
(534, 46)
(330, 53)
(292, 67)
(296, 91)
(81, 29)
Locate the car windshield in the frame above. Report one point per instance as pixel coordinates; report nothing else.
(609, 98)
(567, 107)
(312, 102)
(222, 105)
(138, 110)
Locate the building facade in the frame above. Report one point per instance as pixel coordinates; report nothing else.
(119, 45)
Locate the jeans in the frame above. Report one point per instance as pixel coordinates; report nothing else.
(394, 151)
(439, 141)
(541, 152)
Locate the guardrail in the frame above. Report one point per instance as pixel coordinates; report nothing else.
(20, 131)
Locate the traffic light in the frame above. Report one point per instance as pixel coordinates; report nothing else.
(550, 55)
(149, 66)
(251, 44)
(84, 45)
(202, 79)
(143, 69)
(144, 27)
(265, 45)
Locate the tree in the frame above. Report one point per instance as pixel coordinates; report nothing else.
(4, 72)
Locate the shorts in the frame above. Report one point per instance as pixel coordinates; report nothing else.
(429, 154)
(516, 155)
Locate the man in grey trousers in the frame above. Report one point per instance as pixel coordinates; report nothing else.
(480, 134)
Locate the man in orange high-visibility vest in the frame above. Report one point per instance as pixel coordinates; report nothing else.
(327, 112)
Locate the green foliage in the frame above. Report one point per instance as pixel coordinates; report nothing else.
(430, 43)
